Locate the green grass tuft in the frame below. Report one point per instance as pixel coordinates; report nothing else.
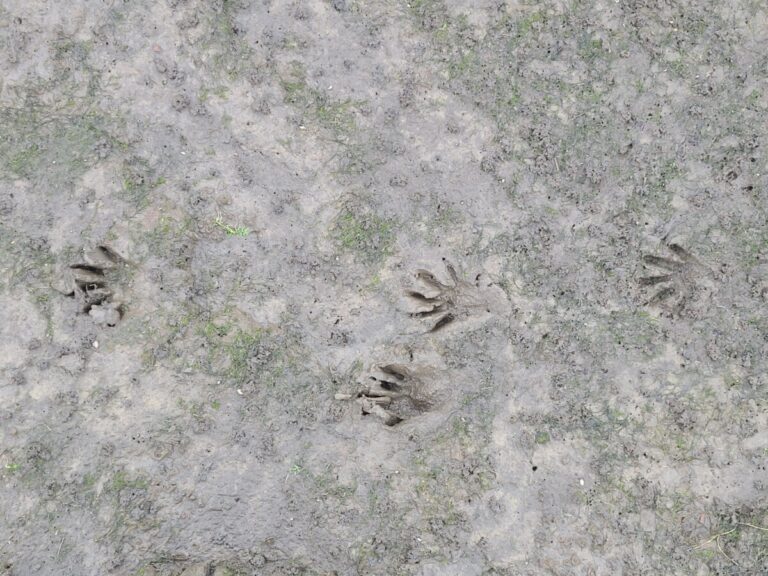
(368, 236)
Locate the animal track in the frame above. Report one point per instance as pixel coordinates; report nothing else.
(680, 283)
(91, 283)
(449, 302)
(397, 392)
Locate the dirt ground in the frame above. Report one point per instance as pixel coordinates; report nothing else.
(378, 287)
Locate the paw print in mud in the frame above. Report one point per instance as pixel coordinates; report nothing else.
(456, 299)
(683, 281)
(93, 282)
(397, 392)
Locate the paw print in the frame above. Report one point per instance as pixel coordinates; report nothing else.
(397, 392)
(454, 300)
(91, 283)
(681, 282)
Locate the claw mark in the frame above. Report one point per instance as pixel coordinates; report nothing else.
(421, 297)
(653, 280)
(661, 295)
(682, 253)
(109, 255)
(430, 280)
(443, 321)
(396, 370)
(374, 406)
(664, 263)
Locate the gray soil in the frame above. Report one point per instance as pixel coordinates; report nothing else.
(378, 287)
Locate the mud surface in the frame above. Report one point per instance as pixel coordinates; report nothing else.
(348, 287)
